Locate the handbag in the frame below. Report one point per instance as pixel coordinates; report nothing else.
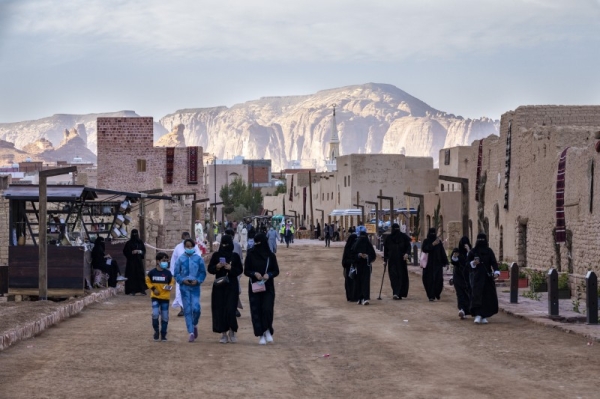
(423, 260)
(221, 281)
(260, 286)
(352, 272)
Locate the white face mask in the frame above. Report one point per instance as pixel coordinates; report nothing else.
(455, 258)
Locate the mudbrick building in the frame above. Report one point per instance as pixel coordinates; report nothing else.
(128, 160)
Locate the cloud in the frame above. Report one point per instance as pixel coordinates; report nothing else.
(307, 30)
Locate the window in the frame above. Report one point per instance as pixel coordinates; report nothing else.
(141, 165)
(447, 157)
(344, 181)
(442, 187)
(348, 180)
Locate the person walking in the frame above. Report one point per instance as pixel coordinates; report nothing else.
(347, 261)
(135, 270)
(103, 266)
(160, 282)
(396, 251)
(226, 265)
(484, 299)
(261, 266)
(327, 235)
(237, 248)
(433, 278)
(272, 239)
(363, 255)
(190, 273)
(288, 235)
(460, 276)
(177, 252)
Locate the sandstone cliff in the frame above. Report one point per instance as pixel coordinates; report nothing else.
(371, 118)
(175, 138)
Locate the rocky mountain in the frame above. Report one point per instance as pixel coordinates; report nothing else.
(371, 118)
(292, 130)
(52, 129)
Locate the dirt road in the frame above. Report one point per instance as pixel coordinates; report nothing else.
(324, 347)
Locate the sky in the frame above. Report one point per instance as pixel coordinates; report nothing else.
(472, 58)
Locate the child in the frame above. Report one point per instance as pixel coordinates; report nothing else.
(160, 282)
(190, 272)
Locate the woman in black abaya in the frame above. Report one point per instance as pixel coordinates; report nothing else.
(224, 297)
(483, 265)
(135, 270)
(396, 251)
(101, 266)
(363, 254)
(460, 276)
(347, 262)
(261, 265)
(433, 279)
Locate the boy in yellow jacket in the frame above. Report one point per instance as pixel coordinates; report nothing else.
(160, 281)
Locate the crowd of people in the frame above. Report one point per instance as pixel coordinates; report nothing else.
(186, 271)
(473, 276)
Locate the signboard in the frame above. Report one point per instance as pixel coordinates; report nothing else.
(371, 228)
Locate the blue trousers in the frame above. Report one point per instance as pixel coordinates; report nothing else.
(190, 297)
(160, 308)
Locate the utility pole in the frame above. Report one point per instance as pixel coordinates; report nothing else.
(312, 220)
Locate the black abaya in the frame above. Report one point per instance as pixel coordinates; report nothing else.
(135, 270)
(395, 247)
(362, 281)
(484, 299)
(261, 303)
(462, 285)
(224, 298)
(433, 278)
(347, 261)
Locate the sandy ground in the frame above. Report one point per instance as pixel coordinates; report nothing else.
(324, 347)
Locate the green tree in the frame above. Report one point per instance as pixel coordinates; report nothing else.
(282, 189)
(237, 194)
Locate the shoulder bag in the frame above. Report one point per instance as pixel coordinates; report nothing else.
(423, 260)
(221, 281)
(260, 286)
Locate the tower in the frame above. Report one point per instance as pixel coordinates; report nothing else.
(334, 145)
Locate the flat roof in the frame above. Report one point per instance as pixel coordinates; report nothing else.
(62, 193)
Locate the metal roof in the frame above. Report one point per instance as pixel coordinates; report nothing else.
(62, 193)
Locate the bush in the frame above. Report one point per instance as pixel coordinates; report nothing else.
(563, 281)
(503, 267)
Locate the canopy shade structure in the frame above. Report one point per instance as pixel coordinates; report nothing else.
(65, 193)
(346, 212)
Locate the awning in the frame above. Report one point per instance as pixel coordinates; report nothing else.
(59, 193)
(346, 212)
(66, 193)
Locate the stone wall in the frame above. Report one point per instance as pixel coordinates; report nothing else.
(524, 232)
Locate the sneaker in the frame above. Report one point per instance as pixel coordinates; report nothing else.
(223, 339)
(180, 314)
(484, 321)
(477, 320)
(365, 302)
(156, 335)
(195, 332)
(121, 278)
(262, 340)
(461, 314)
(268, 336)
(192, 338)
(163, 338)
(396, 297)
(232, 337)
(431, 299)
(237, 313)
(359, 302)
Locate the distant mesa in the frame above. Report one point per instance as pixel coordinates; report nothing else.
(371, 118)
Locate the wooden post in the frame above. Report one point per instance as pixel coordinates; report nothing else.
(591, 300)
(552, 292)
(514, 283)
(43, 238)
(312, 220)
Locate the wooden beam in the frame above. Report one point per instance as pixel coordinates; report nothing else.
(43, 239)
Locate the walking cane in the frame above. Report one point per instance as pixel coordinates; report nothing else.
(382, 277)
